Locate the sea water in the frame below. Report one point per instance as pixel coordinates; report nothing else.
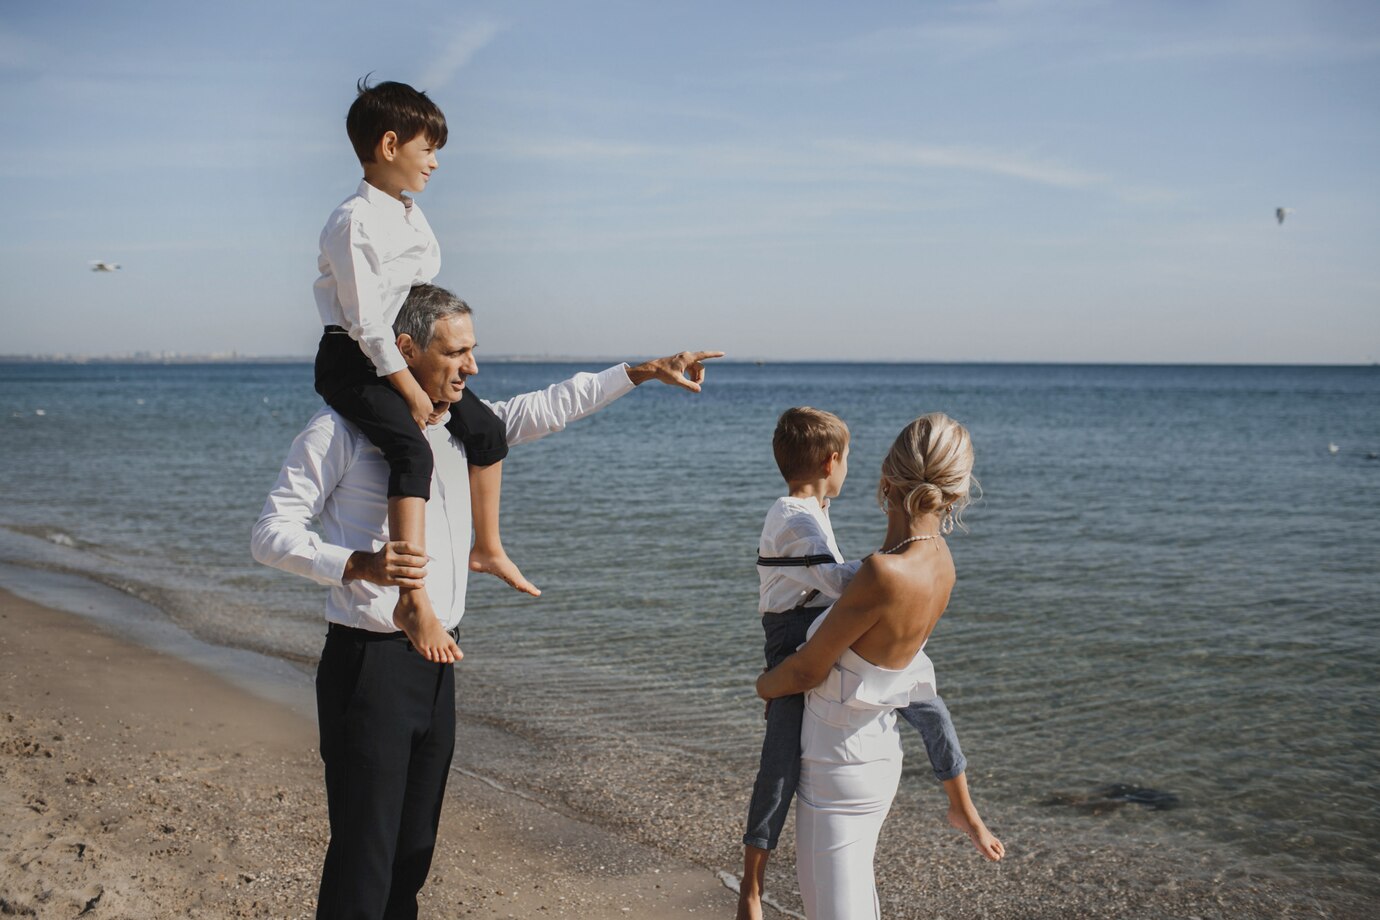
(1164, 628)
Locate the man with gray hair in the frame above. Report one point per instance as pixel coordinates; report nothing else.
(386, 712)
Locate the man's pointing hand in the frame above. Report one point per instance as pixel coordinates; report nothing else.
(683, 370)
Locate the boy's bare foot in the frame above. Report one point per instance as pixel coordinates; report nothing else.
(414, 616)
(497, 563)
(754, 878)
(749, 905)
(971, 824)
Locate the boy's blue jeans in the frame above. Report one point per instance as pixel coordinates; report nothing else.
(779, 771)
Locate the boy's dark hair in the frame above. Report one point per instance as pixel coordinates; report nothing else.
(804, 440)
(394, 107)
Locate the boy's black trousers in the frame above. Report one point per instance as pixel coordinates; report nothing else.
(349, 383)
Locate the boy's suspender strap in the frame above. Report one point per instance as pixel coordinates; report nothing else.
(799, 562)
(806, 561)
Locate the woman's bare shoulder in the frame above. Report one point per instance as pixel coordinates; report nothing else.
(905, 573)
(881, 571)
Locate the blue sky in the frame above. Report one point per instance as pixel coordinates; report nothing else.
(1067, 180)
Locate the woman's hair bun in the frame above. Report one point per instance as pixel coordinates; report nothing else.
(929, 468)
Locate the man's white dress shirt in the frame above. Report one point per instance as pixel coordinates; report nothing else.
(334, 474)
(374, 248)
(798, 527)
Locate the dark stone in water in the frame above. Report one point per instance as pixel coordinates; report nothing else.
(1109, 798)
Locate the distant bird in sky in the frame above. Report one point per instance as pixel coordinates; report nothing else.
(104, 267)
(1281, 213)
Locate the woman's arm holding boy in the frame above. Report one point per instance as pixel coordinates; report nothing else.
(856, 612)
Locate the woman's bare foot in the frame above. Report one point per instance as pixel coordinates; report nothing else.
(971, 824)
(414, 616)
(497, 563)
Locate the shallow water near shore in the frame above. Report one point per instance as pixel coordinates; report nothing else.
(1170, 584)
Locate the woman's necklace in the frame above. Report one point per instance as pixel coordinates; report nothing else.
(924, 536)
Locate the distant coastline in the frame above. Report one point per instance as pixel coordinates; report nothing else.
(180, 358)
(166, 358)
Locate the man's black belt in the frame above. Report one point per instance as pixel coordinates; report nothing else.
(368, 635)
(337, 330)
(817, 559)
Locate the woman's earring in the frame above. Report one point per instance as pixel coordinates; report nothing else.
(946, 526)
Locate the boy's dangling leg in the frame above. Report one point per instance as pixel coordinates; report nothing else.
(414, 614)
(963, 815)
(932, 720)
(753, 884)
(487, 554)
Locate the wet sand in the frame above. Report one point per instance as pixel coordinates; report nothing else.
(133, 784)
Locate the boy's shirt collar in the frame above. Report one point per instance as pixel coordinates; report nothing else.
(381, 199)
(820, 505)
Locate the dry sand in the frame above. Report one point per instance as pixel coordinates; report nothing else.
(135, 785)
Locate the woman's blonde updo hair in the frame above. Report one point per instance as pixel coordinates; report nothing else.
(929, 469)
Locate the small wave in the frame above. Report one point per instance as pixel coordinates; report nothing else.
(49, 534)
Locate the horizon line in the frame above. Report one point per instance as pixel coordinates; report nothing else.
(175, 358)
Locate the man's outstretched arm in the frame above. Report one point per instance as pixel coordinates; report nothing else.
(530, 416)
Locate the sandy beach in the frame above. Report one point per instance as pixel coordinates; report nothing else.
(133, 784)
(169, 777)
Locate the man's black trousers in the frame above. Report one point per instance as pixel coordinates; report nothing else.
(387, 718)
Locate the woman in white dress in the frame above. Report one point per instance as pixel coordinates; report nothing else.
(863, 659)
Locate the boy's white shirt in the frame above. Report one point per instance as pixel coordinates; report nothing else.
(374, 248)
(800, 527)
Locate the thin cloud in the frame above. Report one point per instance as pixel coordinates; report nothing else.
(969, 159)
(458, 52)
(1248, 47)
(952, 40)
(586, 149)
(822, 160)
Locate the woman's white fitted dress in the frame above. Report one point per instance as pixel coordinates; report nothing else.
(850, 768)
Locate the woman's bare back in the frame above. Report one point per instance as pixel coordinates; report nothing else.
(914, 587)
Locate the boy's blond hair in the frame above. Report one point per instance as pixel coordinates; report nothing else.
(804, 440)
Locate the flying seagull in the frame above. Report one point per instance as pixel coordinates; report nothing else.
(1280, 213)
(104, 267)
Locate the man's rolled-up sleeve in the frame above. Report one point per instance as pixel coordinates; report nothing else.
(282, 536)
(531, 416)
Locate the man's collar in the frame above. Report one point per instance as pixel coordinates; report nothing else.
(381, 199)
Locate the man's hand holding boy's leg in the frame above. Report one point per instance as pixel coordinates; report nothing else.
(396, 564)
